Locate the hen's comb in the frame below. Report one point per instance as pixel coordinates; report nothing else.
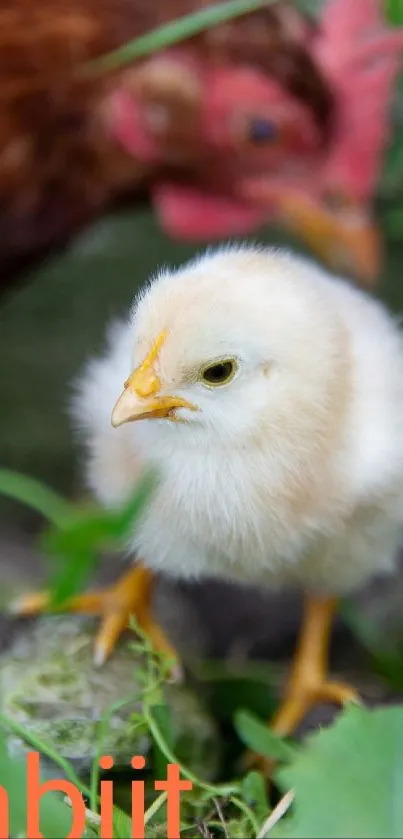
(361, 58)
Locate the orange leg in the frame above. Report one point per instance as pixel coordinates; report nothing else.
(308, 684)
(129, 597)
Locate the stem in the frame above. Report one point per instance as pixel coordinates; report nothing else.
(154, 807)
(213, 790)
(44, 749)
(237, 802)
(224, 790)
(95, 773)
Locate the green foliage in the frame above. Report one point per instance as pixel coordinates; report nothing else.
(253, 789)
(260, 739)
(121, 824)
(348, 779)
(55, 815)
(394, 12)
(164, 723)
(35, 494)
(232, 808)
(386, 655)
(75, 535)
(76, 545)
(390, 209)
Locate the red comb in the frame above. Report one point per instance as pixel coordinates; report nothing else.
(361, 59)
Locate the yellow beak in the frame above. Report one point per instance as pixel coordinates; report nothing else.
(347, 240)
(345, 237)
(131, 407)
(140, 399)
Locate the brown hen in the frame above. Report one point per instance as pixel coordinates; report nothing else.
(60, 164)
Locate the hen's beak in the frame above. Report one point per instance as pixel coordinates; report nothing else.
(344, 236)
(346, 239)
(140, 399)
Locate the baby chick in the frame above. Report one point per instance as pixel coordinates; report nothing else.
(271, 400)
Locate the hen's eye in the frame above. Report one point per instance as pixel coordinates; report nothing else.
(220, 373)
(335, 201)
(262, 130)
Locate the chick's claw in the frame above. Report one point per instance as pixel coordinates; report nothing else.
(300, 702)
(117, 604)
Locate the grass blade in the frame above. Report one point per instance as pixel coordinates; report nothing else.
(35, 494)
(173, 33)
(259, 737)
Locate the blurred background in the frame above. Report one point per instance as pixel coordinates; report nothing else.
(278, 122)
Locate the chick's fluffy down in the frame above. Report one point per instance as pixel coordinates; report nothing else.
(292, 473)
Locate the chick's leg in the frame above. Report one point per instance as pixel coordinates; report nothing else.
(130, 596)
(308, 684)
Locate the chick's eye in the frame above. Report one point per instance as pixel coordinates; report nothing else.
(220, 373)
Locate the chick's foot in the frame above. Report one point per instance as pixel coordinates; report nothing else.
(117, 604)
(308, 684)
(303, 697)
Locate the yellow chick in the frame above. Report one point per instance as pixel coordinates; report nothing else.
(270, 396)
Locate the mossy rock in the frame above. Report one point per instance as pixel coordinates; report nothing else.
(49, 684)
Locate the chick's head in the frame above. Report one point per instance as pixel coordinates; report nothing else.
(236, 344)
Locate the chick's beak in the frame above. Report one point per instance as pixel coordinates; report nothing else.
(140, 400)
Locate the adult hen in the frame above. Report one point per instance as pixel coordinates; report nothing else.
(61, 163)
(215, 130)
(268, 395)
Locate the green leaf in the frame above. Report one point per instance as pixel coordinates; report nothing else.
(73, 550)
(37, 495)
(254, 793)
(75, 535)
(391, 184)
(237, 828)
(391, 181)
(258, 737)
(394, 12)
(70, 578)
(174, 32)
(387, 657)
(122, 824)
(37, 744)
(392, 223)
(55, 815)
(162, 716)
(348, 779)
